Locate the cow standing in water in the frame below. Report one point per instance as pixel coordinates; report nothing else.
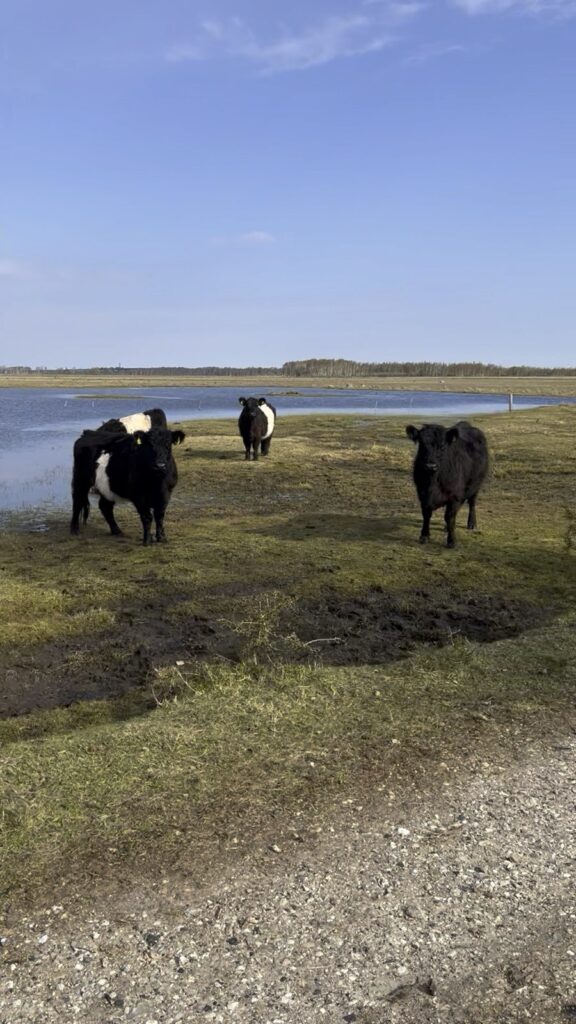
(256, 424)
(449, 469)
(136, 467)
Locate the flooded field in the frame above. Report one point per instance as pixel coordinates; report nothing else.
(38, 426)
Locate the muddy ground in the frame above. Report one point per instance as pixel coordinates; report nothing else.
(370, 628)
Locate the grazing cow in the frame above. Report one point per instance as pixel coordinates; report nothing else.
(137, 421)
(136, 467)
(256, 424)
(449, 469)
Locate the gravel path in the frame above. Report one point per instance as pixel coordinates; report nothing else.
(460, 909)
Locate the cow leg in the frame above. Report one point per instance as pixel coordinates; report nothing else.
(256, 450)
(159, 511)
(450, 519)
(266, 445)
(472, 513)
(247, 448)
(107, 509)
(146, 520)
(81, 481)
(426, 517)
(80, 504)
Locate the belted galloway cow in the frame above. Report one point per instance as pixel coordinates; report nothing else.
(137, 467)
(136, 421)
(450, 467)
(256, 424)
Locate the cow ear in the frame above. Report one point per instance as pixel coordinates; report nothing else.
(452, 434)
(261, 401)
(177, 436)
(413, 433)
(242, 401)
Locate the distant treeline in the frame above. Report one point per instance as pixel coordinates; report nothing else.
(306, 368)
(350, 368)
(145, 371)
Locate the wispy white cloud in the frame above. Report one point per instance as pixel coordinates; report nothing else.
(249, 239)
(554, 8)
(371, 27)
(38, 275)
(433, 51)
(17, 269)
(398, 11)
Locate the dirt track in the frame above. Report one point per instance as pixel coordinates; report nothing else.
(454, 906)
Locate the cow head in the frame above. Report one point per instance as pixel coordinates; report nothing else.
(252, 405)
(155, 446)
(432, 440)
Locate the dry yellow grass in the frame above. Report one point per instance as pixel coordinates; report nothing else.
(478, 385)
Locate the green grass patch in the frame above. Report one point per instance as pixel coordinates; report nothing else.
(317, 641)
(234, 750)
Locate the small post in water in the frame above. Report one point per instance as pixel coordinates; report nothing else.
(510, 401)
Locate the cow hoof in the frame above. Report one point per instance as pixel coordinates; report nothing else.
(450, 544)
(424, 540)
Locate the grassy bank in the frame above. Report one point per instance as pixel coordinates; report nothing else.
(476, 385)
(291, 639)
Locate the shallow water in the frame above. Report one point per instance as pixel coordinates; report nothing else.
(39, 425)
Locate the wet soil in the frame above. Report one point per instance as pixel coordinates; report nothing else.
(372, 627)
(105, 665)
(378, 626)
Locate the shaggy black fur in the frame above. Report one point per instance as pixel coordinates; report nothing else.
(450, 467)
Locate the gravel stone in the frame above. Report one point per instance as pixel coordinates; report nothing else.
(468, 916)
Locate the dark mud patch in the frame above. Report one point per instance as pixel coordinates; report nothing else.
(378, 626)
(372, 627)
(106, 665)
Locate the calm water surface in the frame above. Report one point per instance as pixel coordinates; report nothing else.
(39, 425)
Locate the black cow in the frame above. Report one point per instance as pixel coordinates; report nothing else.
(136, 467)
(449, 469)
(256, 424)
(136, 421)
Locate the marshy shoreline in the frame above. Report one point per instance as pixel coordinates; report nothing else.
(546, 385)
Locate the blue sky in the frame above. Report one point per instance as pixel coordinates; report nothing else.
(238, 182)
